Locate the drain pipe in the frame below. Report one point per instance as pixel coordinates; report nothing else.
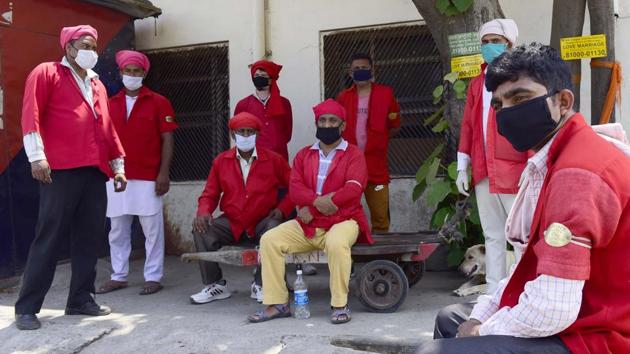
(258, 30)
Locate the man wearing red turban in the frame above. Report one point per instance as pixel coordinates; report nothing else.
(327, 181)
(72, 146)
(373, 118)
(145, 122)
(244, 181)
(273, 110)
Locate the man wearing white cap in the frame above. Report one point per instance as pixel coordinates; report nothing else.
(496, 166)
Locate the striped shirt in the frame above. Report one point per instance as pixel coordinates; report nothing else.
(325, 162)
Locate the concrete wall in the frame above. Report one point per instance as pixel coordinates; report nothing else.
(293, 38)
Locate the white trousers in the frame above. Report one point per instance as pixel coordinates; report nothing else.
(493, 212)
(120, 246)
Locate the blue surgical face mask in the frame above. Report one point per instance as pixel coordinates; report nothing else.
(491, 51)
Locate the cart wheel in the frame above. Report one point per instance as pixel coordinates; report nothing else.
(414, 271)
(382, 286)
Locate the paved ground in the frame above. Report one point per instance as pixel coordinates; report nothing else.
(167, 323)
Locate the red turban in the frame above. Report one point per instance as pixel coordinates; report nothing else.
(126, 57)
(330, 106)
(71, 33)
(244, 120)
(275, 107)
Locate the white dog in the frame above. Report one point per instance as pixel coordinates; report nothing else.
(474, 267)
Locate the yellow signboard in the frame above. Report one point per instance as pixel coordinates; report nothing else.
(574, 48)
(467, 66)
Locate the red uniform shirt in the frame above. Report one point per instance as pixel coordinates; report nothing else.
(276, 131)
(73, 136)
(497, 159)
(586, 189)
(152, 115)
(246, 204)
(383, 115)
(347, 177)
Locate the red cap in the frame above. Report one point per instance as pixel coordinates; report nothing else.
(245, 120)
(330, 106)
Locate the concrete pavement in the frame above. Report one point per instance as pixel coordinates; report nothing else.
(167, 323)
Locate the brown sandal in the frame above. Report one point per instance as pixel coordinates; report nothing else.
(150, 287)
(110, 286)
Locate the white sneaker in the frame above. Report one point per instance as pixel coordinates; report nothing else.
(210, 293)
(257, 292)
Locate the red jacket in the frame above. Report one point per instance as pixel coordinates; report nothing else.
(152, 115)
(73, 137)
(383, 115)
(347, 177)
(245, 205)
(276, 131)
(587, 190)
(497, 160)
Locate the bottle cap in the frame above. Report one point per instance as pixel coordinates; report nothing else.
(299, 272)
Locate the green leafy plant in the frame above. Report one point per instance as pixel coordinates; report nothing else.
(453, 212)
(453, 7)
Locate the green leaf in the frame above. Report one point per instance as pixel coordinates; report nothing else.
(460, 95)
(462, 5)
(438, 150)
(459, 86)
(451, 77)
(433, 168)
(440, 126)
(438, 190)
(418, 190)
(473, 215)
(440, 216)
(451, 10)
(438, 91)
(421, 174)
(437, 114)
(455, 256)
(442, 5)
(452, 170)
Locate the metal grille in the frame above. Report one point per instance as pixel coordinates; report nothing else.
(405, 58)
(196, 80)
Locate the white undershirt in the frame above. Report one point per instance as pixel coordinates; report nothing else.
(130, 101)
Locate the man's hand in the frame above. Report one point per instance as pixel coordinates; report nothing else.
(120, 182)
(469, 328)
(201, 223)
(276, 214)
(41, 171)
(162, 184)
(305, 215)
(325, 205)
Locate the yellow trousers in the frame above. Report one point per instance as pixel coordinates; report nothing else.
(377, 198)
(289, 238)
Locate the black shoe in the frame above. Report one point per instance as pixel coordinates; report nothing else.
(90, 309)
(27, 322)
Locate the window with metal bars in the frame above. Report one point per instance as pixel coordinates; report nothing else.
(196, 81)
(405, 57)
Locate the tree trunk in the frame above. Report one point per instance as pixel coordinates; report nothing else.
(441, 27)
(568, 21)
(602, 21)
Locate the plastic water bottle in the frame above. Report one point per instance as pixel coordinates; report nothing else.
(300, 292)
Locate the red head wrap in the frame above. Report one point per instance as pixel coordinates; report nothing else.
(244, 120)
(330, 106)
(274, 106)
(126, 57)
(71, 33)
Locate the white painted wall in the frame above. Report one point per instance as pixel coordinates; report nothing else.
(293, 29)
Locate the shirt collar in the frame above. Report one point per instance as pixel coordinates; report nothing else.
(254, 155)
(343, 145)
(539, 160)
(264, 102)
(91, 74)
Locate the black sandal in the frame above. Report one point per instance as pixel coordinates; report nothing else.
(341, 315)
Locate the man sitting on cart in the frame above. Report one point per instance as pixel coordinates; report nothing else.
(246, 180)
(327, 181)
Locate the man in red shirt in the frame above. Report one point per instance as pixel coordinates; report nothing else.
(327, 181)
(71, 143)
(245, 179)
(273, 110)
(568, 294)
(145, 122)
(373, 117)
(496, 166)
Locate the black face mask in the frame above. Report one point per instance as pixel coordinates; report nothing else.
(260, 82)
(328, 135)
(526, 124)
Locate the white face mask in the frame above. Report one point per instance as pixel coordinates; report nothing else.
(86, 58)
(132, 83)
(245, 144)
